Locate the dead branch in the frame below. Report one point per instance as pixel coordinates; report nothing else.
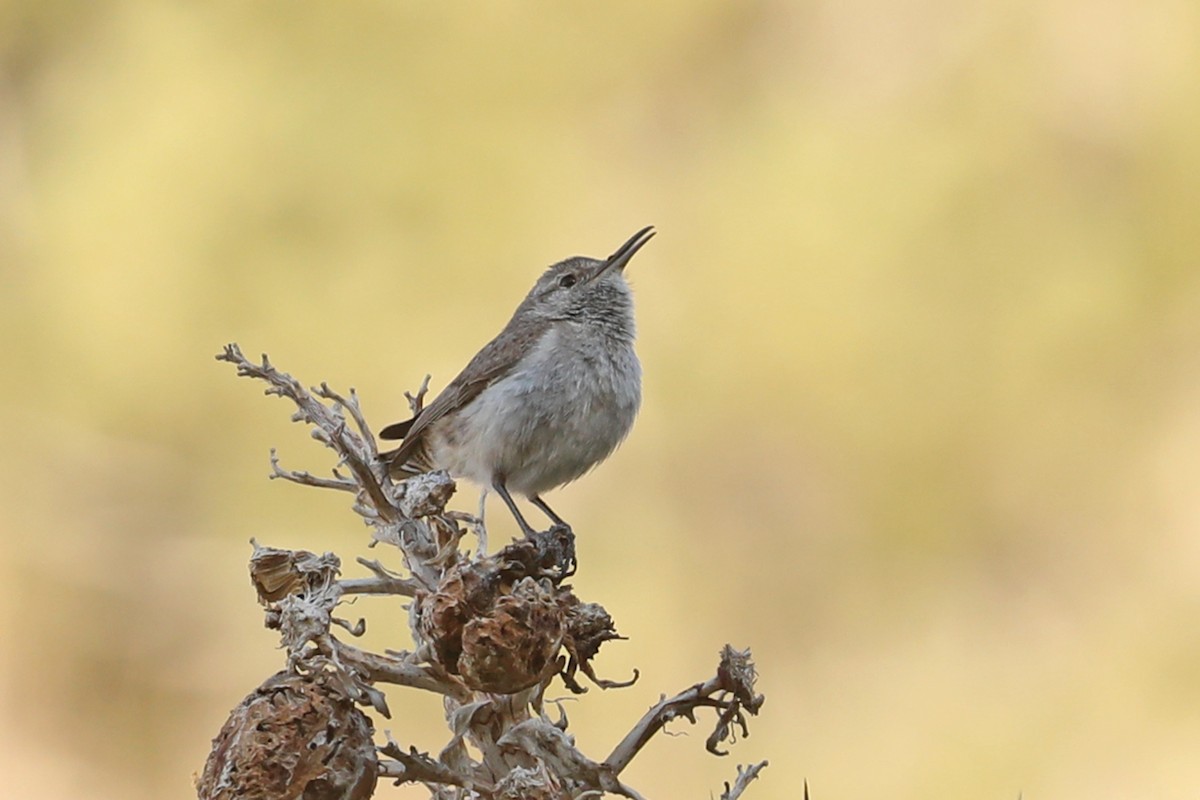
(329, 425)
(308, 479)
(416, 402)
(415, 766)
(379, 668)
(744, 776)
(491, 633)
(384, 582)
(731, 690)
(548, 744)
(351, 405)
(400, 586)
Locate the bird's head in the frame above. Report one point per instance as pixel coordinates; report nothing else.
(588, 290)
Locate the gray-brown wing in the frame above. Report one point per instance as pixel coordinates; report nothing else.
(493, 362)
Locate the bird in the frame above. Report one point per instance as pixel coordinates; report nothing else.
(546, 400)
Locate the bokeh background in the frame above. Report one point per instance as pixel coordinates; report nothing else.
(921, 333)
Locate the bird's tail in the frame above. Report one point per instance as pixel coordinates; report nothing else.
(409, 458)
(399, 464)
(397, 430)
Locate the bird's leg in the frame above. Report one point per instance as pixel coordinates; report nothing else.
(498, 485)
(555, 518)
(483, 540)
(565, 558)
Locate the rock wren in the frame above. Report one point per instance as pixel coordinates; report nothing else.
(546, 400)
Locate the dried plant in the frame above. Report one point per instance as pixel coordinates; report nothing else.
(492, 632)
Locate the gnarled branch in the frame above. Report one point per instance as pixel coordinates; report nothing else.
(731, 690)
(491, 633)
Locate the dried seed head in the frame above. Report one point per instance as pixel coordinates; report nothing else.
(511, 646)
(295, 736)
(497, 622)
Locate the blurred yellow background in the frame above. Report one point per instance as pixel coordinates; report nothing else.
(921, 333)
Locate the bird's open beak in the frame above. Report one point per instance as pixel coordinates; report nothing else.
(619, 259)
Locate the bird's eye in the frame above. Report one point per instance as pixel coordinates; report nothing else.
(567, 281)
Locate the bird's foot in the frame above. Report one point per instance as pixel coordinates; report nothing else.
(555, 551)
(564, 549)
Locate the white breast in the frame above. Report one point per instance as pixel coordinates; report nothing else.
(565, 409)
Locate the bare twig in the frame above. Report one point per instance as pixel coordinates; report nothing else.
(384, 582)
(653, 721)
(415, 766)
(608, 683)
(744, 776)
(307, 478)
(475, 523)
(390, 669)
(400, 586)
(730, 690)
(357, 629)
(416, 402)
(329, 425)
(352, 405)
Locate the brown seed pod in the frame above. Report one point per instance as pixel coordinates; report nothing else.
(497, 630)
(510, 647)
(293, 737)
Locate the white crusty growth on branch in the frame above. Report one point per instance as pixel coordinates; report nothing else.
(492, 632)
